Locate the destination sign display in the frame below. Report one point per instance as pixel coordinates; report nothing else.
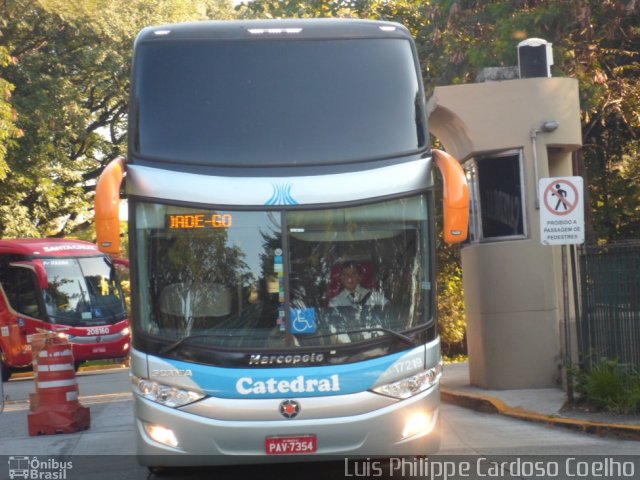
(188, 221)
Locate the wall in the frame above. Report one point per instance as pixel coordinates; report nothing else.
(513, 289)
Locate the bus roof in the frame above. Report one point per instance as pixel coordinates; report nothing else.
(260, 93)
(286, 28)
(50, 247)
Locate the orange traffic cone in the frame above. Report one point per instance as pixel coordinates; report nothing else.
(55, 407)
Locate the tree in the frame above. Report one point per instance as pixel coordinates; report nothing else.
(8, 115)
(596, 42)
(70, 72)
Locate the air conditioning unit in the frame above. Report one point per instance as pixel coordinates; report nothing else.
(535, 57)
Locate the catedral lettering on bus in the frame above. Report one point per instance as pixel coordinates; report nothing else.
(274, 164)
(247, 386)
(63, 286)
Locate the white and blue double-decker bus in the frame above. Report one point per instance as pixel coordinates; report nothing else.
(274, 168)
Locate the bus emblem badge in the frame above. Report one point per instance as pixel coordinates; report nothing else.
(289, 408)
(281, 195)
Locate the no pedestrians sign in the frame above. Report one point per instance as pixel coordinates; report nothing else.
(561, 210)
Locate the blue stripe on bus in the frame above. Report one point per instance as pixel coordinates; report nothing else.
(287, 382)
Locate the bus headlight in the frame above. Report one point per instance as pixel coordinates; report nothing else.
(418, 424)
(125, 331)
(161, 434)
(413, 385)
(164, 394)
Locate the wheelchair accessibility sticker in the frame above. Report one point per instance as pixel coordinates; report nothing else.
(303, 320)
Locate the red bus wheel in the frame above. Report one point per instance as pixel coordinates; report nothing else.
(5, 370)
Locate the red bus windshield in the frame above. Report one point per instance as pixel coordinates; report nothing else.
(83, 291)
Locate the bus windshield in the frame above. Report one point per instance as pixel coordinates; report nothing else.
(245, 103)
(282, 279)
(83, 291)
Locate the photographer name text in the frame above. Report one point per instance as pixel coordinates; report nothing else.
(571, 467)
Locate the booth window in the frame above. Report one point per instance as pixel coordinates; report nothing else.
(496, 197)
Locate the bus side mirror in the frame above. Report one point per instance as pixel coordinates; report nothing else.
(37, 268)
(107, 207)
(123, 262)
(455, 192)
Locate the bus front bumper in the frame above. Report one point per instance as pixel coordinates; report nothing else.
(105, 349)
(194, 440)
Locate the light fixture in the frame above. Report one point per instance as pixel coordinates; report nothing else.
(411, 385)
(161, 434)
(418, 424)
(547, 126)
(167, 395)
(271, 31)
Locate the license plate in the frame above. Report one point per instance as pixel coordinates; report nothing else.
(291, 445)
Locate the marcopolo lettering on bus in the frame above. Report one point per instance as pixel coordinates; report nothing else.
(300, 384)
(257, 359)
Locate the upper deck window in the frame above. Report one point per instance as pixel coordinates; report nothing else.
(276, 102)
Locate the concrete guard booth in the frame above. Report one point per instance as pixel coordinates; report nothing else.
(508, 134)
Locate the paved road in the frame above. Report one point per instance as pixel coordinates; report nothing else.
(106, 450)
(91, 383)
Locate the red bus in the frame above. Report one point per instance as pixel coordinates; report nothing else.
(64, 286)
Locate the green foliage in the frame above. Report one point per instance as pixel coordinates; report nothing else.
(8, 128)
(122, 20)
(125, 280)
(452, 322)
(69, 72)
(595, 42)
(611, 386)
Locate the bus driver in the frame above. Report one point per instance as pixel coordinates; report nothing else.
(353, 293)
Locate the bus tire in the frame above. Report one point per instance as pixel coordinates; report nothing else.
(159, 471)
(5, 370)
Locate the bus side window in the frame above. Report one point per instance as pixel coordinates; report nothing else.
(20, 286)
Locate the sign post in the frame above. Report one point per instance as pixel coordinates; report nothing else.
(562, 223)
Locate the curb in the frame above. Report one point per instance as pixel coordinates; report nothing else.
(488, 404)
(93, 368)
(90, 368)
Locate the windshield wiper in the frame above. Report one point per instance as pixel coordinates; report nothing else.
(63, 320)
(111, 314)
(172, 346)
(399, 336)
